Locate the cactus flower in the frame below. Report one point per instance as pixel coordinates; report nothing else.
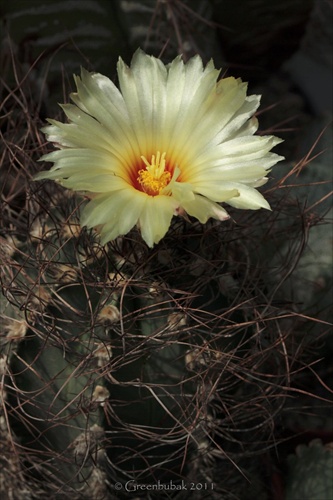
(173, 140)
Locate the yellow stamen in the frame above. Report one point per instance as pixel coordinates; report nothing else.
(154, 178)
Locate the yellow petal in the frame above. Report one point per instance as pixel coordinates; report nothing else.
(202, 208)
(156, 217)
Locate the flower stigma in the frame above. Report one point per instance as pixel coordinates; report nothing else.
(154, 178)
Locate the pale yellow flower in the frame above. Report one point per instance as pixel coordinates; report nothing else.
(173, 140)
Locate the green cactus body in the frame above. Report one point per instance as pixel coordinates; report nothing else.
(101, 358)
(310, 475)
